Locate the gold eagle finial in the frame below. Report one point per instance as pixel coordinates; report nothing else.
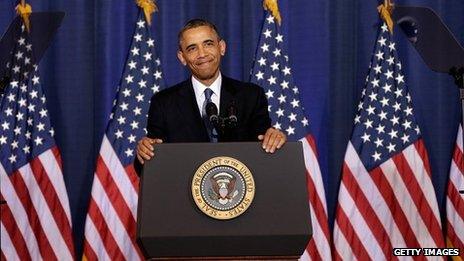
(273, 7)
(148, 7)
(386, 11)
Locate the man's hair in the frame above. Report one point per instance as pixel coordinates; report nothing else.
(194, 23)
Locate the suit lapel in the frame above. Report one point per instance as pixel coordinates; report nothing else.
(188, 109)
(227, 95)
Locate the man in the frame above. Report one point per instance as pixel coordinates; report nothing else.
(177, 114)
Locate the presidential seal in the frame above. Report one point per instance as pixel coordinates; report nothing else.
(223, 188)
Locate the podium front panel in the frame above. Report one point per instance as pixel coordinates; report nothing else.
(277, 223)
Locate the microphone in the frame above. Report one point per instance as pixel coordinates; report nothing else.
(212, 113)
(232, 118)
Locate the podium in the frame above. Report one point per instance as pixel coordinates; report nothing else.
(276, 224)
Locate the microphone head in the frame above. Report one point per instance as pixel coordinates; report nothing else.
(232, 121)
(212, 112)
(232, 116)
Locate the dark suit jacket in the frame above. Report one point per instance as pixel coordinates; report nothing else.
(174, 114)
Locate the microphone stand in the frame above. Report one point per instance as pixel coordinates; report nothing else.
(224, 125)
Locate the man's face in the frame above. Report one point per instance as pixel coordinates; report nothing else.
(201, 51)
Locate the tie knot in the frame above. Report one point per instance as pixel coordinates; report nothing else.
(208, 93)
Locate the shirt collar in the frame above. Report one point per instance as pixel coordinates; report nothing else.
(199, 87)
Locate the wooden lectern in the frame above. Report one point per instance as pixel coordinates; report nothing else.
(276, 225)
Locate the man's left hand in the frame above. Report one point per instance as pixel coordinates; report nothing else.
(273, 139)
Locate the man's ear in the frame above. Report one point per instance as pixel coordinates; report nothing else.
(222, 47)
(180, 56)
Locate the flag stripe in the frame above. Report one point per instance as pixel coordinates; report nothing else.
(358, 223)
(342, 242)
(51, 163)
(405, 200)
(40, 167)
(19, 212)
(416, 156)
(95, 248)
(119, 175)
(316, 189)
(115, 197)
(378, 192)
(415, 180)
(132, 175)
(2, 257)
(455, 200)
(115, 226)
(457, 158)
(453, 193)
(305, 256)
(44, 214)
(319, 245)
(319, 241)
(312, 144)
(366, 211)
(108, 241)
(401, 234)
(316, 183)
(454, 222)
(459, 137)
(311, 252)
(362, 177)
(26, 200)
(355, 246)
(89, 253)
(14, 247)
(56, 152)
(420, 150)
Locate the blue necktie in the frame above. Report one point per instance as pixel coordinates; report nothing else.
(212, 133)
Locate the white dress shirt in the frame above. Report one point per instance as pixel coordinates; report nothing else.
(199, 89)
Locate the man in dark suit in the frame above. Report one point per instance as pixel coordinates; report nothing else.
(178, 113)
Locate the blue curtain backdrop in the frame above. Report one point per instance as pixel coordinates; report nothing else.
(329, 43)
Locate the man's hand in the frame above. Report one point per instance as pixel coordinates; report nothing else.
(145, 148)
(273, 139)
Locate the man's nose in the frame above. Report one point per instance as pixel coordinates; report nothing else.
(201, 51)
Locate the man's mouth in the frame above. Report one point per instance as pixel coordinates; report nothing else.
(203, 63)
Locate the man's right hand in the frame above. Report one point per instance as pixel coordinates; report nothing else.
(145, 148)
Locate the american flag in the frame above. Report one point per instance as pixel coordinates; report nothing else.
(455, 200)
(386, 198)
(272, 71)
(111, 219)
(36, 219)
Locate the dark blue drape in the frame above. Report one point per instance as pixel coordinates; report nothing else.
(329, 43)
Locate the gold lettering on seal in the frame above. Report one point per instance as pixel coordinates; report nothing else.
(201, 184)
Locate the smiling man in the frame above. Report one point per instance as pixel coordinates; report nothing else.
(178, 113)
